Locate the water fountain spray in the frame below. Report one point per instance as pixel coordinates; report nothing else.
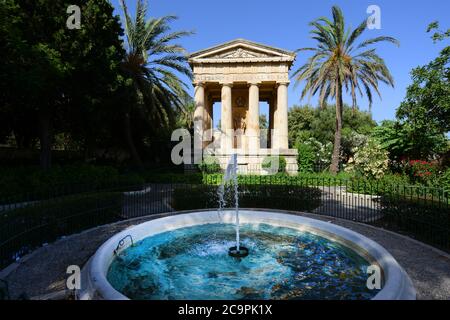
(236, 251)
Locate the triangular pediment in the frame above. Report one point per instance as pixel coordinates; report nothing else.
(241, 50)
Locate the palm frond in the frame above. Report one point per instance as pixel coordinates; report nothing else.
(338, 63)
(153, 63)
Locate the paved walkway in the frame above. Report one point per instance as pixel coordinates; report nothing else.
(41, 275)
(336, 202)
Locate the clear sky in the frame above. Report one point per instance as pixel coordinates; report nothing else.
(284, 24)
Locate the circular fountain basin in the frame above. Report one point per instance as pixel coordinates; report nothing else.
(180, 257)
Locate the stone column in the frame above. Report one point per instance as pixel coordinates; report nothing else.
(199, 98)
(272, 106)
(226, 121)
(281, 117)
(253, 131)
(207, 121)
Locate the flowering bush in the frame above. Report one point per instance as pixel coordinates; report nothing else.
(421, 171)
(370, 160)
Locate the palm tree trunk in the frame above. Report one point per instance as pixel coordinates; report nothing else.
(130, 142)
(334, 168)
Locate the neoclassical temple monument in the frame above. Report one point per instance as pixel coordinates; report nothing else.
(240, 74)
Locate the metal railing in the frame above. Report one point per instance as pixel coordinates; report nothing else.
(27, 222)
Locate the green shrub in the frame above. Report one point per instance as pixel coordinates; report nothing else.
(387, 183)
(306, 157)
(151, 177)
(274, 164)
(322, 152)
(210, 164)
(445, 180)
(284, 197)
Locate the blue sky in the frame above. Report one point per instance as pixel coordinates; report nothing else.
(284, 24)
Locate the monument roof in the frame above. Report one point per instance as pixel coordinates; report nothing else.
(241, 50)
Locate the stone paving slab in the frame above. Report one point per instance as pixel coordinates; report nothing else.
(42, 274)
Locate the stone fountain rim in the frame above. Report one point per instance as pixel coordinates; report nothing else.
(397, 284)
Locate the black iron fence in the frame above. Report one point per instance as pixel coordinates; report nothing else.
(29, 221)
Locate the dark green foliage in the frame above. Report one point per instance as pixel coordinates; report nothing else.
(404, 140)
(388, 183)
(424, 219)
(31, 183)
(445, 180)
(438, 35)
(284, 197)
(306, 122)
(56, 79)
(28, 227)
(427, 102)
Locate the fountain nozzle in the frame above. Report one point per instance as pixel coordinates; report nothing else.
(241, 253)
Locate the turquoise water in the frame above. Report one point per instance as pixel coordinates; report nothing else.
(284, 263)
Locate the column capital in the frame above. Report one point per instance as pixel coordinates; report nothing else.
(226, 84)
(253, 83)
(199, 84)
(284, 83)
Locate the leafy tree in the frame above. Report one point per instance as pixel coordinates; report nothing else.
(299, 123)
(96, 84)
(307, 122)
(57, 77)
(338, 63)
(438, 35)
(427, 102)
(152, 62)
(423, 117)
(404, 141)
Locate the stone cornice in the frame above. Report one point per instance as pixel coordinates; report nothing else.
(194, 61)
(244, 43)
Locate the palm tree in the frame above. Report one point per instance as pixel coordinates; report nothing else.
(339, 62)
(153, 61)
(186, 117)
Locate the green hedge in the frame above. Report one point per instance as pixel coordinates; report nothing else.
(426, 220)
(394, 184)
(152, 177)
(23, 229)
(282, 179)
(31, 183)
(284, 197)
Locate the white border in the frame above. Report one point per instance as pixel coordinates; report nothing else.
(397, 284)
